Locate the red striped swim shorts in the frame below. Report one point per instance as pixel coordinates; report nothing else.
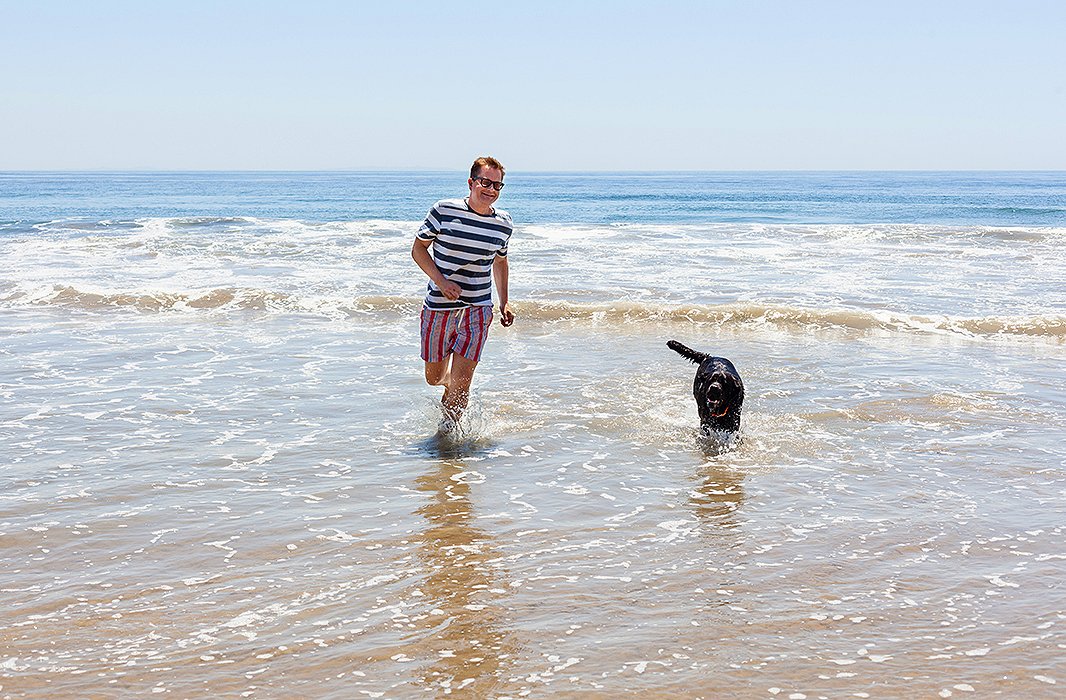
(461, 330)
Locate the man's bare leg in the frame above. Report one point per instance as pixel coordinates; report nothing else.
(457, 387)
(437, 372)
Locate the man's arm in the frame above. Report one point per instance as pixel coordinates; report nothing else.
(499, 275)
(420, 253)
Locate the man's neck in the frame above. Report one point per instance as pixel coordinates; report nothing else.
(472, 208)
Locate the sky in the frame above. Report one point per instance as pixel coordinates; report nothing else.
(541, 85)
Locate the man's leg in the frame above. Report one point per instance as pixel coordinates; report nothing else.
(457, 386)
(472, 329)
(437, 372)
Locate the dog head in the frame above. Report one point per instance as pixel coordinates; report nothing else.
(717, 388)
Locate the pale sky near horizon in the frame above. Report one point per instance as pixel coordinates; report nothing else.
(714, 85)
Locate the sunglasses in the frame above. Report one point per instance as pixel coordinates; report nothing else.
(487, 183)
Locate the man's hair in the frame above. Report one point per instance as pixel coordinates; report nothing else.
(485, 162)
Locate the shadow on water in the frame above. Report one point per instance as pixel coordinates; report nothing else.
(454, 445)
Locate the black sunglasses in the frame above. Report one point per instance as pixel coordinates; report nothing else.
(487, 183)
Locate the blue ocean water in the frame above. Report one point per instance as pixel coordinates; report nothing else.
(981, 249)
(964, 198)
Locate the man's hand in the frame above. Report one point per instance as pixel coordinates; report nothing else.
(420, 253)
(506, 317)
(450, 290)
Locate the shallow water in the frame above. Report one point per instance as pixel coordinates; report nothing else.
(221, 474)
(257, 504)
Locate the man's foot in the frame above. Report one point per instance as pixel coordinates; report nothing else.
(451, 413)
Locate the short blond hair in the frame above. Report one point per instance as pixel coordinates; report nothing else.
(485, 162)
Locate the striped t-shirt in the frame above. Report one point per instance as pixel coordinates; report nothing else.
(464, 245)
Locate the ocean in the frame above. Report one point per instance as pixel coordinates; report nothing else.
(221, 476)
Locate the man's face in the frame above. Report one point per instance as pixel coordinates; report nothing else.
(482, 193)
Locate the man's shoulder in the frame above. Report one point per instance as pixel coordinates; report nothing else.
(457, 205)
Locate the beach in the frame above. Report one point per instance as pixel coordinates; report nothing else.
(222, 476)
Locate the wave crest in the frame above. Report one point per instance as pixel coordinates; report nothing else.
(740, 315)
(228, 297)
(795, 317)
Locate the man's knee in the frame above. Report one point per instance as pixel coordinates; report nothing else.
(436, 372)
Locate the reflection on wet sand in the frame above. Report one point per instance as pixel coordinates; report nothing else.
(717, 499)
(467, 630)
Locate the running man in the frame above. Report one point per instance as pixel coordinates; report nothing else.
(469, 240)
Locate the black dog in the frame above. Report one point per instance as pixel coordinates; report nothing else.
(718, 390)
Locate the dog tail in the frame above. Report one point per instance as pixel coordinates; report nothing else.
(687, 352)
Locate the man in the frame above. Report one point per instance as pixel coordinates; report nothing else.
(469, 239)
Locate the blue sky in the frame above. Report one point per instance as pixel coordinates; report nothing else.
(744, 85)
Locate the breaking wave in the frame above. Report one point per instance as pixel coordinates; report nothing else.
(738, 315)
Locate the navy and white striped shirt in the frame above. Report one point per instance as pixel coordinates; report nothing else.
(464, 245)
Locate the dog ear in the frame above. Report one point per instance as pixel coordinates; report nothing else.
(686, 352)
(736, 392)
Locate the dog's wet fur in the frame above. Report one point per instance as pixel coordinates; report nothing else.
(717, 388)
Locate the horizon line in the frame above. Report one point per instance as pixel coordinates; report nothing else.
(560, 171)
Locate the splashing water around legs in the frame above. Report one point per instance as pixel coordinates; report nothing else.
(455, 374)
(457, 389)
